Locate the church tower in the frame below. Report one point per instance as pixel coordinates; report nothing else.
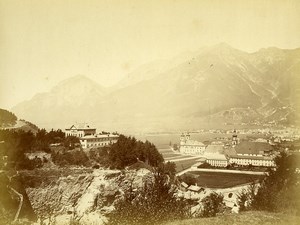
(187, 136)
(182, 139)
(234, 140)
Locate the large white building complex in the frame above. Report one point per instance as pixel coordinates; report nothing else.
(242, 153)
(89, 138)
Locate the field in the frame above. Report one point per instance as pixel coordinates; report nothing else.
(182, 161)
(184, 164)
(222, 180)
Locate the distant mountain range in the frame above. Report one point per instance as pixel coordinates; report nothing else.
(212, 87)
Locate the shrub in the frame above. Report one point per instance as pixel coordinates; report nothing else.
(188, 179)
(75, 157)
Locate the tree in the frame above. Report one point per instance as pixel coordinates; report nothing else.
(212, 205)
(279, 185)
(70, 142)
(245, 197)
(127, 151)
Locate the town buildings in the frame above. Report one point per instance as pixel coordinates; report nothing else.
(245, 153)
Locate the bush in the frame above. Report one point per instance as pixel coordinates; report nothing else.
(188, 179)
(75, 157)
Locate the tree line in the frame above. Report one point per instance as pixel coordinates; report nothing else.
(15, 143)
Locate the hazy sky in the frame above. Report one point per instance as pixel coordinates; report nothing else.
(44, 42)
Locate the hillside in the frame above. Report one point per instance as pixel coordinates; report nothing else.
(195, 88)
(253, 218)
(7, 118)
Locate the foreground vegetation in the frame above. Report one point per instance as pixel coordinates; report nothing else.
(250, 217)
(156, 202)
(278, 191)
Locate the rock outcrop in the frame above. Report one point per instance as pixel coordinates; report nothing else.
(85, 197)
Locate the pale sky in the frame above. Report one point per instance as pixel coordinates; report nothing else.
(43, 42)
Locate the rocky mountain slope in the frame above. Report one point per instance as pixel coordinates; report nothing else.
(177, 94)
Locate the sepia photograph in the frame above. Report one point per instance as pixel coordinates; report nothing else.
(138, 112)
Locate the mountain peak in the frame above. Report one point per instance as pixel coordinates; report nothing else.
(76, 78)
(221, 49)
(222, 45)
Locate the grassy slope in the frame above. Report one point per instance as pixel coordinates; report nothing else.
(249, 218)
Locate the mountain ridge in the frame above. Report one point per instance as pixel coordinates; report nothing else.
(196, 85)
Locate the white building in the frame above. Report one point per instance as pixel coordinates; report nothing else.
(98, 140)
(253, 153)
(80, 130)
(217, 160)
(188, 146)
(252, 160)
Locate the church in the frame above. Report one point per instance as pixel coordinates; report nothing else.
(188, 146)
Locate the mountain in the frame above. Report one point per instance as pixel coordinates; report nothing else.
(209, 87)
(70, 100)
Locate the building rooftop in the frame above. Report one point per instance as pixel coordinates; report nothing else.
(185, 185)
(261, 140)
(192, 142)
(194, 188)
(99, 136)
(213, 148)
(81, 126)
(215, 156)
(253, 147)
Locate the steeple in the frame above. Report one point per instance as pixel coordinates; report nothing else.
(234, 140)
(187, 136)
